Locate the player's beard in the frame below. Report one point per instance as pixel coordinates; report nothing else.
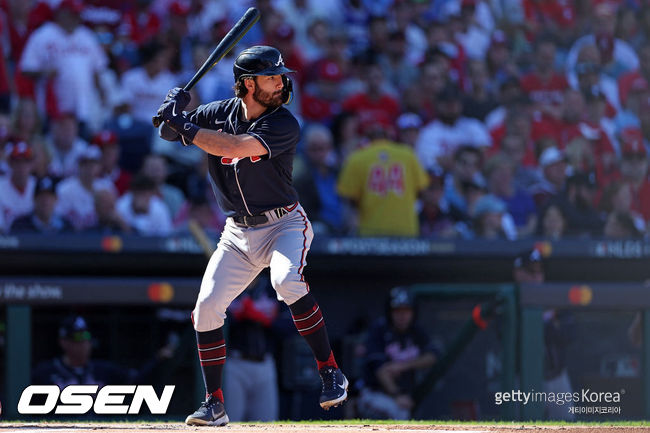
(266, 99)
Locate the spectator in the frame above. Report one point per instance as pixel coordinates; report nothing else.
(621, 225)
(529, 269)
(397, 68)
(553, 164)
(396, 349)
(374, 104)
(491, 219)
(204, 212)
(498, 59)
(42, 219)
(75, 193)
(321, 99)
(617, 56)
(617, 197)
(65, 145)
(626, 80)
(17, 187)
(408, 129)
(552, 223)
(588, 76)
(107, 221)
(155, 168)
(142, 210)
(440, 139)
(558, 17)
(544, 85)
(480, 100)
(108, 142)
(499, 172)
(634, 171)
(465, 171)
(315, 180)
(383, 182)
(435, 216)
(144, 86)
(76, 367)
(67, 55)
(26, 126)
(514, 147)
(577, 203)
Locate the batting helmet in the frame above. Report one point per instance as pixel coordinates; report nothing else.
(263, 60)
(259, 60)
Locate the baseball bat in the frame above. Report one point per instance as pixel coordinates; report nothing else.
(228, 42)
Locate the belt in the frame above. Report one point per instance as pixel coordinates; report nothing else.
(269, 215)
(250, 221)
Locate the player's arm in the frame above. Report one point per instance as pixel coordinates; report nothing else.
(228, 145)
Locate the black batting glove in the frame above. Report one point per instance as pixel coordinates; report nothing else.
(177, 121)
(182, 97)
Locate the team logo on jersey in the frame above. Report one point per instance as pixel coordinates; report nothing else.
(233, 161)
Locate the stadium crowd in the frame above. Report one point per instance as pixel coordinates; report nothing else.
(444, 118)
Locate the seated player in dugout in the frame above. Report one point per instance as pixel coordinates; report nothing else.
(76, 367)
(396, 349)
(251, 143)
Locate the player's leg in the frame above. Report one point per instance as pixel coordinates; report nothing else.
(288, 257)
(228, 273)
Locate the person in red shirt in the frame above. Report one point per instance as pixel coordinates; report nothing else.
(544, 85)
(108, 142)
(141, 23)
(556, 16)
(373, 105)
(320, 100)
(634, 171)
(626, 81)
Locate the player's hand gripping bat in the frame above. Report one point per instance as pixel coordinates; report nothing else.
(244, 24)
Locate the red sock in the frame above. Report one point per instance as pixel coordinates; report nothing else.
(331, 362)
(218, 394)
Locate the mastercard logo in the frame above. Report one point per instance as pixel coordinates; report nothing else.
(580, 295)
(160, 292)
(112, 244)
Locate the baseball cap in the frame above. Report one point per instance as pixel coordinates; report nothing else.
(45, 184)
(409, 120)
(489, 204)
(528, 257)
(91, 153)
(632, 143)
(104, 138)
(74, 328)
(18, 150)
(400, 297)
(551, 155)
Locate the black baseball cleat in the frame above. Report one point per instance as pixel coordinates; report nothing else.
(335, 387)
(211, 412)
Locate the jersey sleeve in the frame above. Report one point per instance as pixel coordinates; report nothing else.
(209, 116)
(278, 134)
(33, 56)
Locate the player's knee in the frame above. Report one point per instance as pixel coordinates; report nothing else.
(207, 316)
(281, 279)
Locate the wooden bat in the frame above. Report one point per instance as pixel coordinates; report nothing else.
(201, 238)
(235, 34)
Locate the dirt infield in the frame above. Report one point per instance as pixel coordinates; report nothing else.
(313, 428)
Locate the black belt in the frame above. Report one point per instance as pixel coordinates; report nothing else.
(250, 221)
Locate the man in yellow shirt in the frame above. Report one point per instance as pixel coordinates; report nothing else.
(383, 181)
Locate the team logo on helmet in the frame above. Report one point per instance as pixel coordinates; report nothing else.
(280, 61)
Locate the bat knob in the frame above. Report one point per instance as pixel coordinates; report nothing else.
(156, 121)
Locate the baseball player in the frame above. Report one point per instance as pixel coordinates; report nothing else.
(251, 141)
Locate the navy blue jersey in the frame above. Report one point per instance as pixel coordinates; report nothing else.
(250, 186)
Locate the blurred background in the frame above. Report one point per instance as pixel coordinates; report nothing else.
(513, 217)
